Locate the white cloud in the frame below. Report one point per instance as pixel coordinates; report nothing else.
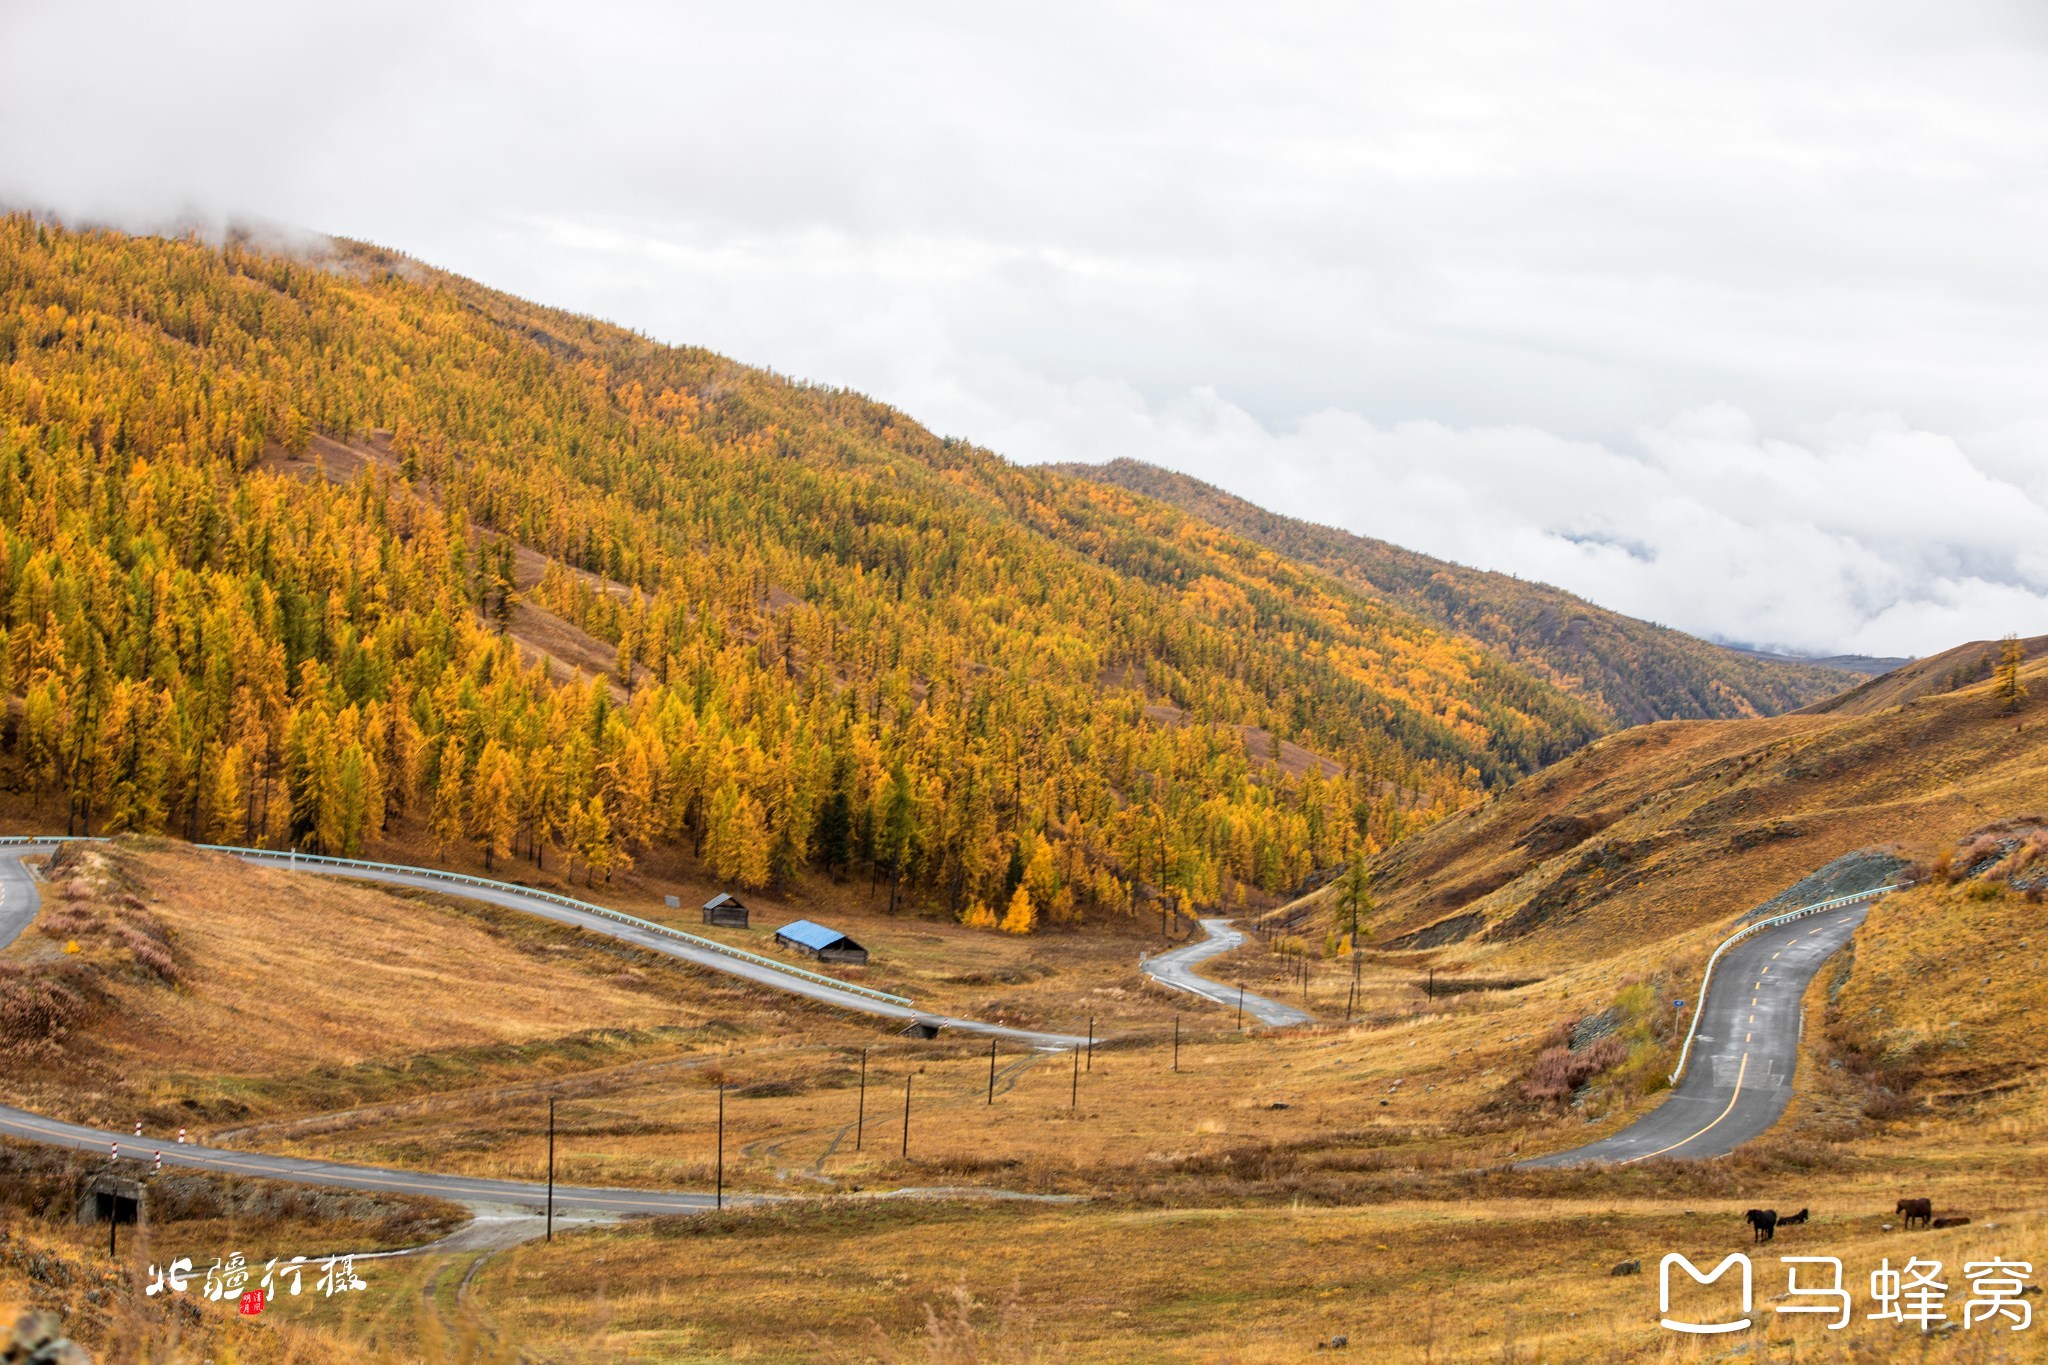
(1547, 256)
(1858, 536)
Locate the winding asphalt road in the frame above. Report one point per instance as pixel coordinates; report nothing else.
(1740, 1076)
(1175, 968)
(509, 898)
(1737, 1084)
(19, 1123)
(19, 899)
(18, 895)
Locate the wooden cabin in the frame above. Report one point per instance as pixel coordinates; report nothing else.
(725, 909)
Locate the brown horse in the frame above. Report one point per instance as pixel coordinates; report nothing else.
(1915, 1209)
(1763, 1224)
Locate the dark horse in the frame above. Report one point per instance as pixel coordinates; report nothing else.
(1763, 1224)
(1789, 1219)
(1912, 1209)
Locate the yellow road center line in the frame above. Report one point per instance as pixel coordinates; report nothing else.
(1740, 1072)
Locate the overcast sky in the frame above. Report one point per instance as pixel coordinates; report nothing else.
(1730, 316)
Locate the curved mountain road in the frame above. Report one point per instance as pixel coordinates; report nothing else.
(18, 1123)
(1740, 1076)
(510, 898)
(19, 899)
(1175, 968)
(1737, 1084)
(18, 895)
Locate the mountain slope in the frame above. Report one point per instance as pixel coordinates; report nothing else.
(1671, 828)
(1630, 671)
(836, 641)
(1935, 674)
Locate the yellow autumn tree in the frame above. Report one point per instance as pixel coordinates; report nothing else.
(494, 813)
(1041, 871)
(449, 815)
(739, 842)
(1020, 918)
(600, 852)
(225, 822)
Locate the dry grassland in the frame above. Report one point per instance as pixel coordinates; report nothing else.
(1287, 1244)
(1662, 834)
(1468, 1280)
(1277, 1190)
(49, 1262)
(289, 991)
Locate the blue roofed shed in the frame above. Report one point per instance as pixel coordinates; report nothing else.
(825, 944)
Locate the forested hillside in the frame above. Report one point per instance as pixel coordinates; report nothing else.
(838, 642)
(1631, 672)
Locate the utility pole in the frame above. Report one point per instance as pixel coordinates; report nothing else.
(991, 1071)
(906, 1116)
(551, 1168)
(1240, 1007)
(1432, 983)
(721, 1144)
(1091, 1042)
(860, 1121)
(1074, 1096)
(1176, 1040)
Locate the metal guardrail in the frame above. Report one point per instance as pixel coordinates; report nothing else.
(461, 878)
(1707, 978)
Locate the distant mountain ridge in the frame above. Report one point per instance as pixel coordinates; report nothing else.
(1864, 665)
(1629, 671)
(1948, 671)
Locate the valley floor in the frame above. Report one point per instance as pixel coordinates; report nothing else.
(1275, 1190)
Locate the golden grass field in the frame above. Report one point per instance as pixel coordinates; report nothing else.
(1277, 1190)
(1657, 836)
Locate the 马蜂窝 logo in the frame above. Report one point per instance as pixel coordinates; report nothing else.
(1704, 1329)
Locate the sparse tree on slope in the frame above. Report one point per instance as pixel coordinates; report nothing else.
(2005, 678)
(1354, 894)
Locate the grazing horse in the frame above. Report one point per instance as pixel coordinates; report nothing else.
(1911, 1209)
(1789, 1219)
(1763, 1224)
